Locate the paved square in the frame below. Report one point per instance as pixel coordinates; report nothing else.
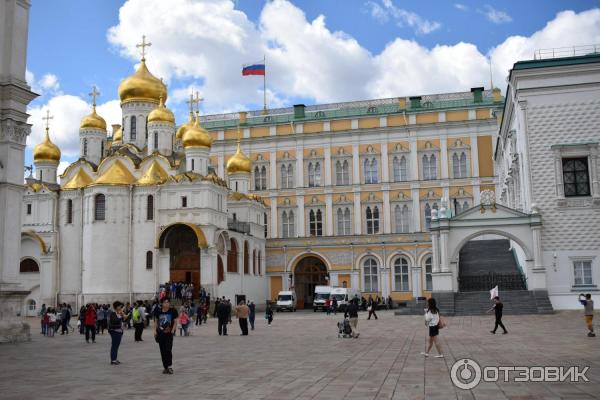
(300, 357)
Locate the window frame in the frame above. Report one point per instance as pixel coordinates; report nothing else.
(149, 260)
(371, 278)
(583, 277)
(100, 212)
(584, 161)
(428, 275)
(401, 262)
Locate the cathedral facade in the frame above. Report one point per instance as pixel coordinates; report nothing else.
(140, 208)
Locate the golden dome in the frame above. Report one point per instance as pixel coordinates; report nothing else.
(116, 174)
(117, 134)
(78, 181)
(93, 121)
(196, 136)
(46, 151)
(142, 86)
(183, 128)
(239, 162)
(154, 175)
(161, 114)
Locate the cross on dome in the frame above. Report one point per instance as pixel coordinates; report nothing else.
(143, 45)
(47, 118)
(95, 93)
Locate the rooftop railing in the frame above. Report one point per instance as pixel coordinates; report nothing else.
(572, 51)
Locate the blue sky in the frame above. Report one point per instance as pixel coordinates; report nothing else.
(317, 51)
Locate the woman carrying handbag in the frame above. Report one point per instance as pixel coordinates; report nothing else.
(434, 322)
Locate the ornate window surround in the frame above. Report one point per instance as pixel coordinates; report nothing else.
(592, 152)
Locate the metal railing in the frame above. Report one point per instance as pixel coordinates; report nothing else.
(573, 51)
(238, 226)
(470, 283)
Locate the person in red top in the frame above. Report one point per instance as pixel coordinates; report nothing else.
(90, 323)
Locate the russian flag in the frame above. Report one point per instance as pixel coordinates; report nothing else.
(253, 69)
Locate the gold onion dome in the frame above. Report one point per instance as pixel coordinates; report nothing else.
(184, 127)
(196, 136)
(93, 121)
(239, 162)
(161, 114)
(46, 151)
(142, 86)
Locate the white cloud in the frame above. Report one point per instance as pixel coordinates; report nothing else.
(461, 7)
(496, 16)
(61, 167)
(49, 82)
(387, 10)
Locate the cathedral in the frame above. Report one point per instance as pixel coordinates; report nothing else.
(139, 208)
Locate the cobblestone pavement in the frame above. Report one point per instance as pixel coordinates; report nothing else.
(300, 357)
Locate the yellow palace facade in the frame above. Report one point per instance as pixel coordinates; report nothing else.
(350, 187)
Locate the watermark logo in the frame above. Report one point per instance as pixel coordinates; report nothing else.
(466, 374)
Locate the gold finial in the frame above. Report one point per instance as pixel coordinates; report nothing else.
(47, 118)
(191, 103)
(143, 45)
(197, 101)
(93, 95)
(238, 136)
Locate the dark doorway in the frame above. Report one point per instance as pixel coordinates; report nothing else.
(309, 272)
(184, 255)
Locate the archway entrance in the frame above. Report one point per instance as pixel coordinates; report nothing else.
(309, 272)
(184, 255)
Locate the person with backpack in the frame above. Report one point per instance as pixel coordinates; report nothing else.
(432, 321)
(498, 306)
(242, 311)
(184, 321)
(351, 313)
(116, 318)
(138, 321)
(165, 324)
(89, 323)
(588, 304)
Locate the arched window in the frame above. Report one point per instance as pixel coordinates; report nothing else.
(311, 175)
(285, 225)
(396, 166)
(69, 211)
(405, 219)
(338, 173)
(283, 176)
(427, 216)
(345, 173)
(401, 218)
(459, 165)
(315, 223)
(259, 263)
(148, 260)
(29, 265)
(155, 141)
(370, 275)
(132, 128)
(465, 206)
(367, 170)
(432, 167)
(85, 147)
(372, 220)
(220, 270)
(347, 226)
(343, 221)
(403, 169)
(232, 256)
(290, 176)
(31, 305)
(317, 174)
(455, 166)
(263, 178)
(246, 259)
(150, 207)
(428, 276)
(257, 178)
(193, 166)
(254, 262)
(463, 164)
(287, 176)
(266, 224)
(99, 207)
(374, 171)
(401, 275)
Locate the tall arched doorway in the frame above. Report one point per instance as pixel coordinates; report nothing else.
(309, 272)
(184, 255)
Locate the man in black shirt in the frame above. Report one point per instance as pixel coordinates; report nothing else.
(165, 324)
(223, 314)
(498, 306)
(352, 314)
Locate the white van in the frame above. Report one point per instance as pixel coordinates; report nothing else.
(344, 296)
(322, 293)
(286, 300)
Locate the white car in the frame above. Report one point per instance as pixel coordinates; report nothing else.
(286, 300)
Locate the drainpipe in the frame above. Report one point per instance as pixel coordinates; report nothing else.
(130, 239)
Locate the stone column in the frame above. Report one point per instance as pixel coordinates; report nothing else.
(444, 262)
(414, 160)
(435, 258)
(273, 170)
(416, 210)
(355, 165)
(474, 157)
(328, 215)
(300, 218)
(299, 167)
(385, 167)
(387, 218)
(274, 227)
(327, 165)
(357, 215)
(208, 269)
(444, 157)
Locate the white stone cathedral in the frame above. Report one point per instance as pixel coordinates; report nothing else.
(138, 209)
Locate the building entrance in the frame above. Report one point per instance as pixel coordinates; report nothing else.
(309, 272)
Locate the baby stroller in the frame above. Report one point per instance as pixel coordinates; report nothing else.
(344, 329)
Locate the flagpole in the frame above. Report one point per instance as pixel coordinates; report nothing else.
(265, 86)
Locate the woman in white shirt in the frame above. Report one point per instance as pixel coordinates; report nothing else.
(432, 321)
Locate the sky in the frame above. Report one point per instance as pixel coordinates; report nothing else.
(316, 51)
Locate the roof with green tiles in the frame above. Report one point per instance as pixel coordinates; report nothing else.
(354, 109)
(556, 62)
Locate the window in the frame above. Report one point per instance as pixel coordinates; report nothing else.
(31, 305)
(400, 170)
(246, 259)
(342, 174)
(370, 275)
(459, 165)
(314, 174)
(150, 208)
(372, 220)
(102, 149)
(315, 223)
(29, 265)
(287, 176)
(85, 147)
(428, 276)
(288, 224)
(193, 166)
(260, 178)
(254, 262)
(343, 221)
(148, 260)
(401, 217)
(183, 201)
(220, 270)
(69, 211)
(401, 275)
(155, 140)
(259, 264)
(132, 127)
(582, 272)
(41, 175)
(317, 174)
(576, 177)
(266, 224)
(428, 214)
(28, 209)
(370, 170)
(99, 207)
(232, 256)
(429, 167)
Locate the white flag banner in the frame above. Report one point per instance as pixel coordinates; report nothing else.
(494, 292)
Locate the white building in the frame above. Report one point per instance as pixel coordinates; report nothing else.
(547, 161)
(139, 209)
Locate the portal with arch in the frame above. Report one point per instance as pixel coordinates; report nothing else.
(309, 271)
(184, 242)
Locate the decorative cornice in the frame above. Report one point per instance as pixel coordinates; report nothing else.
(12, 131)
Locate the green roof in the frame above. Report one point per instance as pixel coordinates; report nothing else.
(345, 110)
(556, 62)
